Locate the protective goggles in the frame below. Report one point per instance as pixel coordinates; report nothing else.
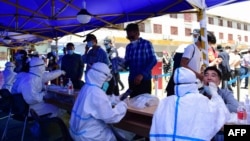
(109, 76)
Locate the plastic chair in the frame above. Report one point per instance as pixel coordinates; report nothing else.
(18, 110)
(50, 129)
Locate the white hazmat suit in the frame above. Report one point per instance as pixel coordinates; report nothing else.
(92, 110)
(9, 76)
(30, 85)
(188, 115)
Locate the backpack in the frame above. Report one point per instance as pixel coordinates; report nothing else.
(177, 63)
(177, 59)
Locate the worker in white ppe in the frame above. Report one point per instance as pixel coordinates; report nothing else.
(30, 85)
(9, 76)
(92, 111)
(188, 115)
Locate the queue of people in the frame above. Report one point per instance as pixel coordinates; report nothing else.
(93, 111)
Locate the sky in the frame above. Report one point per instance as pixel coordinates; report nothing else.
(239, 11)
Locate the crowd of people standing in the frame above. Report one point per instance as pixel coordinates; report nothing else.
(100, 68)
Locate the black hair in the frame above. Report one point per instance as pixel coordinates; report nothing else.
(214, 68)
(69, 44)
(227, 47)
(211, 37)
(132, 27)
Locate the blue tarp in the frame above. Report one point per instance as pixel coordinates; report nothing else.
(56, 18)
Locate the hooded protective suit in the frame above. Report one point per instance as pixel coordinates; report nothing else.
(9, 76)
(92, 110)
(188, 115)
(30, 85)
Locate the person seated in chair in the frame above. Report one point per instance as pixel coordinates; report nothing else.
(212, 74)
(9, 75)
(92, 111)
(186, 114)
(30, 85)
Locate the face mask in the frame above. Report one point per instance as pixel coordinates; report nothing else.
(195, 39)
(19, 57)
(107, 46)
(70, 52)
(131, 38)
(54, 53)
(89, 44)
(105, 86)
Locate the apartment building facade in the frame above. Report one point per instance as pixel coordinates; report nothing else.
(169, 31)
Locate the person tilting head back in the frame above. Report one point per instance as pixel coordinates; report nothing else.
(185, 115)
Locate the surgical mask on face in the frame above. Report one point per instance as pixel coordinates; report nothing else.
(105, 86)
(89, 44)
(107, 46)
(195, 39)
(54, 53)
(19, 57)
(70, 52)
(131, 38)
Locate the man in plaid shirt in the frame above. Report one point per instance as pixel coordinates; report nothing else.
(140, 58)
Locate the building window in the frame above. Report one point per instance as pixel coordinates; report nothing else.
(187, 17)
(141, 27)
(187, 31)
(238, 26)
(173, 16)
(174, 30)
(245, 27)
(230, 37)
(229, 24)
(210, 20)
(246, 38)
(221, 35)
(157, 28)
(220, 22)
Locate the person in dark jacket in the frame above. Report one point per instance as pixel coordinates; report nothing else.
(21, 61)
(224, 67)
(72, 64)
